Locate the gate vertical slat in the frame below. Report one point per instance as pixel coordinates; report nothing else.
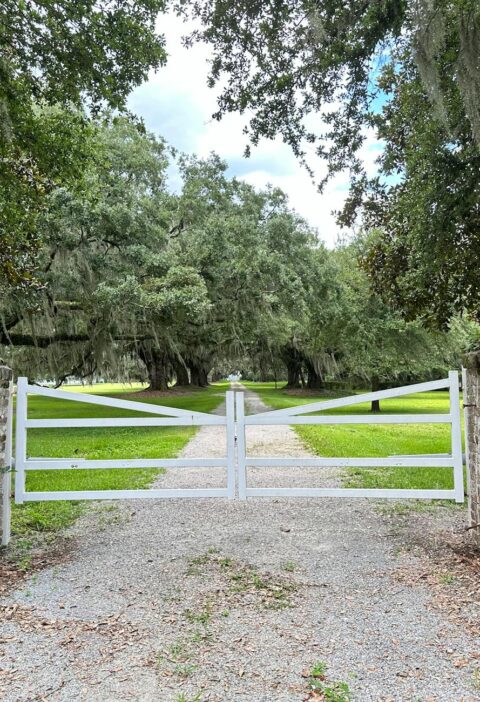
(230, 412)
(456, 436)
(241, 449)
(20, 440)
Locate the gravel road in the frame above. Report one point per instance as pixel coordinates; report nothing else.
(222, 601)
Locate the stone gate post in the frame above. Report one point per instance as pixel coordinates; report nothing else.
(6, 417)
(471, 403)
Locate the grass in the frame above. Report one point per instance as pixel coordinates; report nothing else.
(98, 443)
(321, 688)
(376, 440)
(272, 592)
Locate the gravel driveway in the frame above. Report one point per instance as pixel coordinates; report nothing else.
(219, 601)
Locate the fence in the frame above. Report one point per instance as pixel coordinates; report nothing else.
(235, 463)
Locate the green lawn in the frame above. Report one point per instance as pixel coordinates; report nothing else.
(97, 443)
(376, 440)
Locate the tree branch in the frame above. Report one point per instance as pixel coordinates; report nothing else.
(43, 342)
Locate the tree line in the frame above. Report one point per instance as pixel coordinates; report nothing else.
(134, 280)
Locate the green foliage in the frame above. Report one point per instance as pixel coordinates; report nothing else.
(131, 270)
(48, 146)
(284, 61)
(406, 72)
(61, 50)
(348, 332)
(421, 250)
(55, 58)
(96, 238)
(377, 345)
(138, 280)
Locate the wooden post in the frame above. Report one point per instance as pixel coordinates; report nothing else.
(471, 404)
(6, 415)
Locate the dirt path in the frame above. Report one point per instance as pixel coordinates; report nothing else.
(222, 601)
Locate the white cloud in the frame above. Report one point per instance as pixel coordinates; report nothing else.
(176, 103)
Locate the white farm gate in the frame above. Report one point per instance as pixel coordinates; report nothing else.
(302, 415)
(236, 461)
(170, 416)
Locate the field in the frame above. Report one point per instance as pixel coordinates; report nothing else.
(376, 440)
(125, 442)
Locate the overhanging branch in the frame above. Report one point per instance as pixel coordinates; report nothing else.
(43, 342)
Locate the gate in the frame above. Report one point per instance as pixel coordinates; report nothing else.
(171, 416)
(302, 415)
(236, 468)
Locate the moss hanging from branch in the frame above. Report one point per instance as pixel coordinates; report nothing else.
(442, 30)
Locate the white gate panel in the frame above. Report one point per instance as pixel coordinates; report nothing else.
(297, 415)
(171, 416)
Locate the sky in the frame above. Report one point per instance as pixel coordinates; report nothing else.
(176, 103)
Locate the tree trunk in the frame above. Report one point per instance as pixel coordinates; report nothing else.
(315, 380)
(293, 375)
(199, 376)
(293, 362)
(375, 386)
(156, 362)
(302, 378)
(181, 372)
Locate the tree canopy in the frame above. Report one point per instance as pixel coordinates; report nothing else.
(329, 74)
(105, 270)
(58, 58)
(423, 228)
(136, 280)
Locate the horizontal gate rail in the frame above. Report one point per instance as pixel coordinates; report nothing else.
(387, 462)
(189, 421)
(110, 401)
(384, 493)
(122, 494)
(165, 417)
(86, 464)
(349, 419)
(364, 397)
(301, 415)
